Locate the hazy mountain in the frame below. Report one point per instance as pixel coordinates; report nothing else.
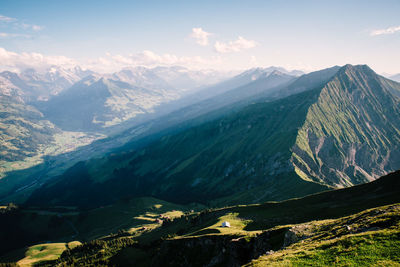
(395, 77)
(237, 81)
(26, 135)
(141, 77)
(177, 78)
(342, 133)
(36, 85)
(186, 80)
(96, 102)
(257, 80)
(140, 94)
(296, 73)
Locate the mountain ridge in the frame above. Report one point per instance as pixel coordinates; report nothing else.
(271, 139)
(369, 109)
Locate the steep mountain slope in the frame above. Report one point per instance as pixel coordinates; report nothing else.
(266, 86)
(237, 81)
(395, 77)
(351, 134)
(312, 80)
(22, 130)
(246, 152)
(76, 107)
(345, 132)
(132, 95)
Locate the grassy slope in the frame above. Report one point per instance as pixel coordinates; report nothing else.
(369, 238)
(352, 133)
(198, 239)
(246, 154)
(45, 252)
(23, 132)
(28, 226)
(341, 133)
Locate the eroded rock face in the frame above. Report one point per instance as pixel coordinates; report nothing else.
(351, 134)
(297, 233)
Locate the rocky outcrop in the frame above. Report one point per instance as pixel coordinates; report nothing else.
(351, 134)
(218, 250)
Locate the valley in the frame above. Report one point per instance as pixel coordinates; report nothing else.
(347, 221)
(199, 133)
(310, 149)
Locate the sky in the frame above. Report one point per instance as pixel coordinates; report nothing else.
(224, 35)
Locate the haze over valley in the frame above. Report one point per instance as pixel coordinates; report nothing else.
(220, 134)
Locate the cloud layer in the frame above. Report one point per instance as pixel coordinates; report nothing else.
(108, 63)
(148, 58)
(200, 36)
(13, 35)
(389, 30)
(234, 46)
(6, 19)
(19, 61)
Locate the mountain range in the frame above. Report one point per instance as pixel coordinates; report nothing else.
(175, 144)
(44, 112)
(312, 135)
(73, 111)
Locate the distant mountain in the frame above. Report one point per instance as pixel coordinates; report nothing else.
(208, 93)
(265, 86)
(340, 132)
(186, 80)
(96, 102)
(36, 85)
(141, 77)
(141, 94)
(296, 73)
(395, 77)
(26, 134)
(179, 79)
(237, 81)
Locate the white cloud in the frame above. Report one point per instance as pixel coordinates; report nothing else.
(110, 62)
(234, 46)
(6, 19)
(13, 35)
(389, 30)
(200, 36)
(20, 61)
(19, 25)
(31, 27)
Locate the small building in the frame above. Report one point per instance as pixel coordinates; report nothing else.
(225, 224)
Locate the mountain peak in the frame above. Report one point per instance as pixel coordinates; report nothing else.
(356, 68)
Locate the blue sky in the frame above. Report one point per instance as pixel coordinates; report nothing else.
(109, 35)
